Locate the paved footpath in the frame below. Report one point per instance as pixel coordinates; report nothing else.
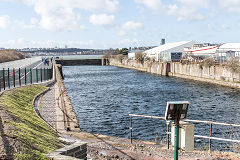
(49, 107)
(46, 107)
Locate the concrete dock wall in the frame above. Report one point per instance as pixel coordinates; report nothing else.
(64, 109)
(217, 74)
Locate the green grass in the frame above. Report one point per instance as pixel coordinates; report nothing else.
(34, 135)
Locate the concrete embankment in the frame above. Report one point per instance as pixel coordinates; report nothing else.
(217, 74)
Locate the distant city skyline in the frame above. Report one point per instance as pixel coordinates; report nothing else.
(104, 24)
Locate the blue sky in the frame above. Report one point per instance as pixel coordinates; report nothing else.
(116, 23)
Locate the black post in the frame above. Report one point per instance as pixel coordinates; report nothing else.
(41, 74)
(44, 74)
(37, 74)
(8, 78)
(19, 76)
(4, 87)
(25, 76)
(47, 73)
(14, 78)
(50, 73)
(31, 75)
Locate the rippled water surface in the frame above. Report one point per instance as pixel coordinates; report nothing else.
(103, 96)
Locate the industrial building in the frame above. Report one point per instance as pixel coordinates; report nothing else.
(169, 51)
(220, 52)
(201, 51)
(191, 51)
(227, 51)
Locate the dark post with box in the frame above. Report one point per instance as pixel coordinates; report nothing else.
(176, 110)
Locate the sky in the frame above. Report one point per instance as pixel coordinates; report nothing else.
(104, 24)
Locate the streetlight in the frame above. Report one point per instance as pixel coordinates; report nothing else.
(176, 110)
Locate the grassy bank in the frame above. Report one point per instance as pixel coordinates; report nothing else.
(10, 55)
(23, 134)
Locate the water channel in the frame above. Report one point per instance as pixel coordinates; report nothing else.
(103, 96)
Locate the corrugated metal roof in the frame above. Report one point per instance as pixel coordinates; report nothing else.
(230, 46)
(166, 47)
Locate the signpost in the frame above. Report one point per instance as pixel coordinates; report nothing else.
(176, 110)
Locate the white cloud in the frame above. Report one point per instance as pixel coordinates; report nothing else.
(209, 26)
(92, 5)
(4, 21)
(23, 43)
(13, 43)
(21, 24)
(154, 5)
(101, 19)
(131, 25)
(130, 42)
(81, 44)
(183, 10)
(122, 33)
(230, 5)
(225, 27)
(61, 15)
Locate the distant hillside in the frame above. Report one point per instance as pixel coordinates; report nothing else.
(10, 55)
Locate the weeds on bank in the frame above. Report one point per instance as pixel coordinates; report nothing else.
(35, 137)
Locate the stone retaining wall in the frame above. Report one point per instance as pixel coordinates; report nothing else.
(64, 104)
(75, 151)
(218, 74)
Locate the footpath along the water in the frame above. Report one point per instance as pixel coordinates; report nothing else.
(107, 147)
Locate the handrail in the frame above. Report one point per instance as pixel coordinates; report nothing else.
(189, 120)
(211, 122)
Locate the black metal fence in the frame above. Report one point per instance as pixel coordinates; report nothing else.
(10, 78)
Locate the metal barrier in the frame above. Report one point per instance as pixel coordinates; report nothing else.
(189, 120)
(11, 78)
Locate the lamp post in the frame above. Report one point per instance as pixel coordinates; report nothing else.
(176, 110)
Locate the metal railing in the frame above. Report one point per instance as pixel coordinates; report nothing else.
(188, 120)
(11, 78)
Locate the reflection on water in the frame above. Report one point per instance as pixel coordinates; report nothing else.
(103, 96)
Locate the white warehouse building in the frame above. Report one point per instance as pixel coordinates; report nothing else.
(227, 51)
(169, 51)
